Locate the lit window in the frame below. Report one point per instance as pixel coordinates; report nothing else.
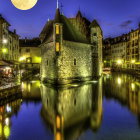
(57, 47)
(57, 29)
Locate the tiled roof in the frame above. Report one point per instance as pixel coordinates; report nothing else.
(94, 24)
(3, 20)
(29, 42)
(57, 16)
(70, 33)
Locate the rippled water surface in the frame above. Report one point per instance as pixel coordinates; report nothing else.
(107, 109)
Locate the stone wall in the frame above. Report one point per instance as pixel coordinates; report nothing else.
(96, 40)
(75, 62)
(49, 63)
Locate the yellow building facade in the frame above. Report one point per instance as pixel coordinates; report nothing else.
(30, 53)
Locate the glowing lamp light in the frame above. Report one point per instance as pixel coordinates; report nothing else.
(119, 61)
(5, 41)
(7, 68)
(133, 61)
(7, 121)
(119, 81)
(6, 131)
(133, 86)
(8, 108)
(4, 50)
(58, 136)
(58, 122)
(22, 58)
(28, 60)
(0, 129)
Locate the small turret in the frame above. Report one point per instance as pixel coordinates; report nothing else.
(96, 39)
(95, 31)
(58, 31)
(57, 16)
(79, 15)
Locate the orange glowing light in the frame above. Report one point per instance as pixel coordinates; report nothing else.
(58, 136)
(57, 47)
(58, 122)
(57, 29)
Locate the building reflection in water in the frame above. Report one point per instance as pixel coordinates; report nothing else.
(6, 112)
(125, 89)
(31, 90)
(70, 111)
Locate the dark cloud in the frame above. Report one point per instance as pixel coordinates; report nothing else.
(101, 22)
(125, 24)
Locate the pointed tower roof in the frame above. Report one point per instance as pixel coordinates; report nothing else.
(94, 24)
(79, 14)
(57, 16)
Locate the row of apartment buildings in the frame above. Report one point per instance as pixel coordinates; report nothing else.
(123, 51)
(15, 52)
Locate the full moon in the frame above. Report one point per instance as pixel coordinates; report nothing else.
(24, 4)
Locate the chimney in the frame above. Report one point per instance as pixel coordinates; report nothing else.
(25, 39)
(139, 25)
(14, 31)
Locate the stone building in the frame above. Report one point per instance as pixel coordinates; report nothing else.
(70, 51)
(9, 49)
(13, 47)
(107, 53)
(30, 53)
(123, 51)
(133, 49)
(9, 42)
(118, 51)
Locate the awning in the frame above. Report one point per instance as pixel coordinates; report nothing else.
(3, 63)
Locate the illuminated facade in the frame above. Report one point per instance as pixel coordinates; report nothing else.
(9, 43)
(30, 53)
(123, 52)
(134, 48)
(118, 51)
(70, 54)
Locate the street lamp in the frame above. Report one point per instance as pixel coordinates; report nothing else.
(4, 50)
(133, 61)
(119, 61)
(4, 41)
(22, 58)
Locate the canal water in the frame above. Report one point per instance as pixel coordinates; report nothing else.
(107, 109)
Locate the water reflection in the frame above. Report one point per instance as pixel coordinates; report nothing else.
(31, 90)
(70, 111)
(75, 111)
(6, 112)
(125, 89)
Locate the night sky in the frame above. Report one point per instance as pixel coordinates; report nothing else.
(114, 16)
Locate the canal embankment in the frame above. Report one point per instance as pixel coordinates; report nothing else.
(10, 93)
(132, 72)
